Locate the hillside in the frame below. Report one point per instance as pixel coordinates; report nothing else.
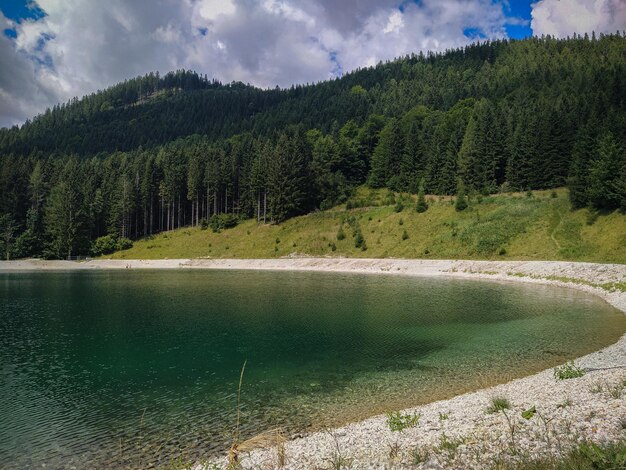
(155, 154)
(513, 226)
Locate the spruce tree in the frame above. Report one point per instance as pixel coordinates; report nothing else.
(461, 199)
(422, 205)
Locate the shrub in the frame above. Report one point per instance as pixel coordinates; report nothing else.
(104, 245)
(398, 422)
(333, 247)
(223, 221)
(124, 244)
(358, 239)
(341, 234)
(554, 195)
(569, 370)
(592, 216)
(204, 224)
(401, 221)
(399, 207)
(405, 235)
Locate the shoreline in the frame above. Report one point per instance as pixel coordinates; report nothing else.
(585, 408)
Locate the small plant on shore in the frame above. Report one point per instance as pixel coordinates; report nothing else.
(419, 456)
(501, 404)
(450, 445)
(596, 387)
(405, 235)
(498, 404)
(565, 403)
(337, 460)
(532, 412)
(398, 422)
(267, 439)
(394, 451)
(341, 234)
(569, 370)
(616, 390)
(443, 416)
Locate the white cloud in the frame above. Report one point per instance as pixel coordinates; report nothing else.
(563, 18)
(84, 45)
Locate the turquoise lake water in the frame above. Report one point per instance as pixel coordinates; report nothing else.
(139, 368)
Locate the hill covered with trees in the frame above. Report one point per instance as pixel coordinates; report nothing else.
(156, 153)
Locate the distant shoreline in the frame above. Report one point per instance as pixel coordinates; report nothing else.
(593, 414)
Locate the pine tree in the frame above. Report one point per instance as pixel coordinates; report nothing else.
(422, 205)
(606, 174)
(461, 200)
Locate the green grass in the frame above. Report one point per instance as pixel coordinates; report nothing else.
(586, 456)
(498, 404)
(398, 422)
(568, 370)
(499, 227)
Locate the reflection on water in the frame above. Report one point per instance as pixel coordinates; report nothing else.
(139, 368)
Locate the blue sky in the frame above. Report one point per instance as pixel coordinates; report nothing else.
(54, 50)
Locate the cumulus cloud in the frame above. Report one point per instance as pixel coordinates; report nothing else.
(564, 18)
(80, 46)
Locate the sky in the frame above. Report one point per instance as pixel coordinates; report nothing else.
(53, 50)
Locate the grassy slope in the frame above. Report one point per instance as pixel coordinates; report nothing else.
(538, 228)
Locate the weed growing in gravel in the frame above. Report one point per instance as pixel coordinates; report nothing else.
(498, 404)
(565, 403)
(337, 460)
(569, 370)
(531, 412)
(398, 422)
(450, 445)
(394, 451)
(597, 387)
(443, 416)
(419, 456)
(616, 390)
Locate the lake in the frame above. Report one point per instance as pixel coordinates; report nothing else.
(138, 368)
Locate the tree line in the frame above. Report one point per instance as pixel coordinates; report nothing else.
(495, 116)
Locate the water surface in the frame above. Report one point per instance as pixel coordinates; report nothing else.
(138, 368)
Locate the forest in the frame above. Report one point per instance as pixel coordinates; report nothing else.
(156, 153)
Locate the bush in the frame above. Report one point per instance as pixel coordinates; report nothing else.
(554, 195)
(399, 207)
(204, 224)
(592, 216)
(405, 235)
(104, 245)
(124, 244)
(223, 221)
(359, 241)
(341, 234)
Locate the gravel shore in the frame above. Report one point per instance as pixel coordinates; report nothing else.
(459, 432)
